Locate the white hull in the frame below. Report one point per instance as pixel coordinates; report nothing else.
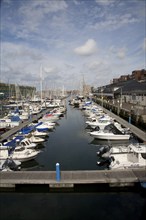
(40, 134)
(109, 136)
(123, 161)
(95, 124)
(22, 157)
(27, 158)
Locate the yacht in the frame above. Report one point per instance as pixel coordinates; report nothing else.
(101, 122)
(40, 134)
(45, 126)
(133, 156)
(110, 132)
(19, 154)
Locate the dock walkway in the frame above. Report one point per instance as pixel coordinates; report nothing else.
(70, 178)
(138, 132)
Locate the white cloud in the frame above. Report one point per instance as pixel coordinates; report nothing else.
(33, 15)
(87, 49)
(115, 21)
(46, 32)
(105, 2)
(119, 52)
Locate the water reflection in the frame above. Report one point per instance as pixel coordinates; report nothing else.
(29, 165)
(109, 142)
(71, 145)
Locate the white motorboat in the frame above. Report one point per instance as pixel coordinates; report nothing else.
(133, 156)
(36, 140)
(50, 117)
(18, 141)
(110, 132)
(45, 126)
(102, 122)
(24, 142)
(106, 150)
(19, 154)
(30, 139)
(40, 134)
(109, 136)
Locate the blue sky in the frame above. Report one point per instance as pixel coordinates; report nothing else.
(71, 39)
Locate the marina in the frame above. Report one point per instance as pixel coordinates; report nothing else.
(73, 110)
(70, 145)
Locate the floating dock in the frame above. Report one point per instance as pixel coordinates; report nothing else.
(69, 179)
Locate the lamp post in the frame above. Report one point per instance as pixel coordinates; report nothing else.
(121, 98)
(101, 97)
(118, 107)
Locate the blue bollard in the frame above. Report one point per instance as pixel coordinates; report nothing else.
(57, 172)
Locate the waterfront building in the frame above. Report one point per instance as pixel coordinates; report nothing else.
(128, 93)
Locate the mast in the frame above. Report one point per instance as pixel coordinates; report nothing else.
(41, 82)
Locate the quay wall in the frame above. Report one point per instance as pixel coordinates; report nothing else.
(124, 112)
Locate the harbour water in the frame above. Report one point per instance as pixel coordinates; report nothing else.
(71, 146)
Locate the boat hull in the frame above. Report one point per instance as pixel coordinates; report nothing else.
(110, 136)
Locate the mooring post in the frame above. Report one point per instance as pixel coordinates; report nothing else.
(57, 172)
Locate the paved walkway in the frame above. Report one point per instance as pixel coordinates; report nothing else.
(69, 178)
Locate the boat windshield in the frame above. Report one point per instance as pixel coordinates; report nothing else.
(19, 149)
(143, 155)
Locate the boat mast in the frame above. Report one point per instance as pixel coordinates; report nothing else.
(41, 82)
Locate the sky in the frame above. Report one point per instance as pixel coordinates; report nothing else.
(63, 42)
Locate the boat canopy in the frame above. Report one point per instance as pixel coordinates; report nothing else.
(112, 128)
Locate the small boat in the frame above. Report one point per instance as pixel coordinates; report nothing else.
(50, 117)
(27, 133)
(40, 134)
(102, 122)
(20, 140)
(45, 126)
(19, 154)
(31, 130)
(110, 132)
(35, 139)
(133, 156)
